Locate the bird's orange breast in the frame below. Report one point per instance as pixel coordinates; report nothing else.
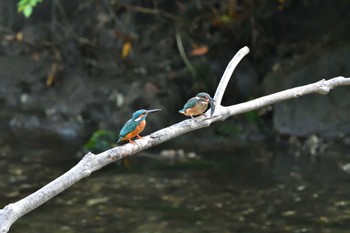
(137, 130)
(198, 109)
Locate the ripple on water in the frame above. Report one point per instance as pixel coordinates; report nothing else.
(258, 188)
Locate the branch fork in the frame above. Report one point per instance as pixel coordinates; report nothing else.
(92, 162)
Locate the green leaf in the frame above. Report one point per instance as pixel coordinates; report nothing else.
(34, 2)
(22, 3)
(27, 11)
(27, 6)
(20, 8)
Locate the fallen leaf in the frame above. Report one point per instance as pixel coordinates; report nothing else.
(19, 36)
(35, 56)
(126, 49)
(51, 78)
(199, 51)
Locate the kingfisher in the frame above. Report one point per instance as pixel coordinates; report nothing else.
(197, 105)
(135, 125)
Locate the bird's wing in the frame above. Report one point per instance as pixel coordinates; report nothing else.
(127, 128)
(191, 103)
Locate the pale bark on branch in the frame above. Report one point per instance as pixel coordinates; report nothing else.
(92, 162)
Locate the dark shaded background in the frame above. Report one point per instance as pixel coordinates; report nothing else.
(63, 79)
(62, 69)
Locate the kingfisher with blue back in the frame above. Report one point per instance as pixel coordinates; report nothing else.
(197, 105)
(135, 125)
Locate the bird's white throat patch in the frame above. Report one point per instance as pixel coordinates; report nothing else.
(139, 118)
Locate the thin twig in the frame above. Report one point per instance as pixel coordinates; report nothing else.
(151, 11)
(111, 13)
(183, 56)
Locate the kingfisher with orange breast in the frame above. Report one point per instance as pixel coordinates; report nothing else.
(197, 105)
(135, 125)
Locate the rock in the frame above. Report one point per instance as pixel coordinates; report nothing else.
(24, 121)
(345, 167)
(327, 116)
(69, 130)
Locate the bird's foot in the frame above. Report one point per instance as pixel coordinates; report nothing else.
(138, 136)
(205, 114)
(131, 141)
(193, 118)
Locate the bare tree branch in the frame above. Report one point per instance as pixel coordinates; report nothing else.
(220, 90)
(322, 87)
(91, 162)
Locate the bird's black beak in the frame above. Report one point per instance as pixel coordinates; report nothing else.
(153, 110)
(209, 99)
(212, 106)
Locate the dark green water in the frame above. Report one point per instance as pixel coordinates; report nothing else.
(260, 188)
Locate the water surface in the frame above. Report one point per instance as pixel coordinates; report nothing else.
(258, 188)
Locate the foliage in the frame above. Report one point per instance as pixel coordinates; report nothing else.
(100, 140)
(26, 6)
(252, 116)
